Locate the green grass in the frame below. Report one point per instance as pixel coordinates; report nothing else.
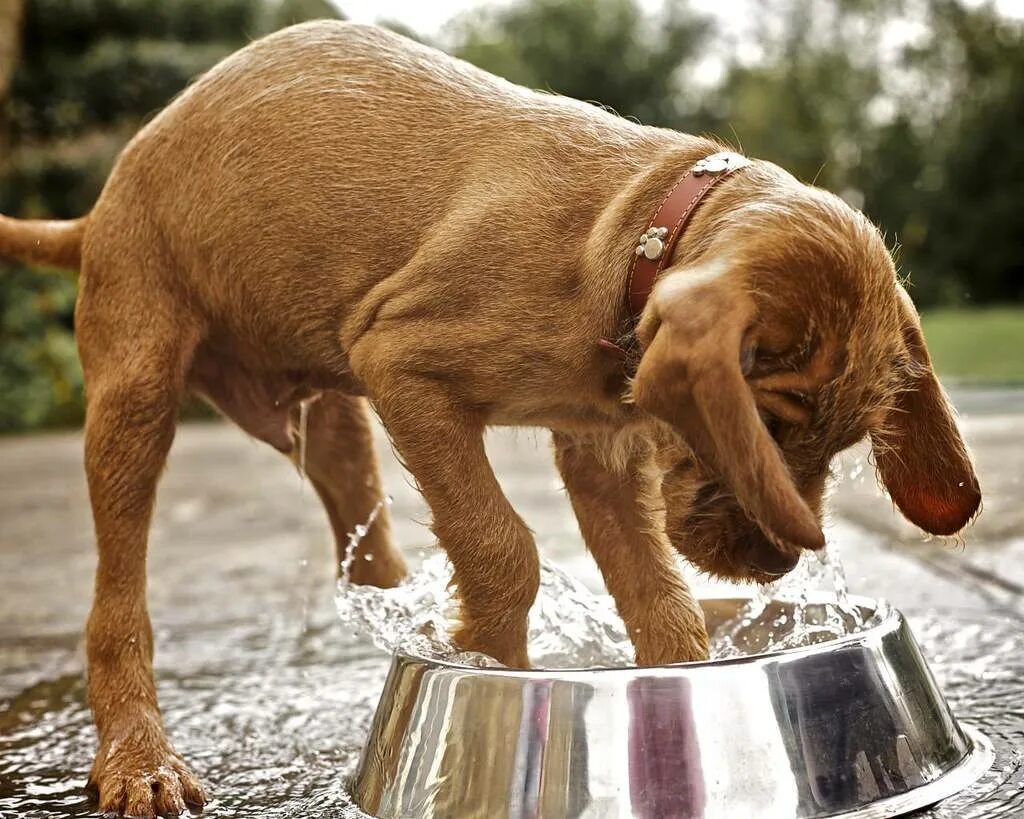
(977, 345)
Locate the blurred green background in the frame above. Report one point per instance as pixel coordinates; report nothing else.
(912, 110)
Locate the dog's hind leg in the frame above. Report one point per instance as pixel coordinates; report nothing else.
(135, 347)
(342, 465)
(337, 455)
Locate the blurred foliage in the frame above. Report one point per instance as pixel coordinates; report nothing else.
(909, 108)
(88, 74)
(605, 51)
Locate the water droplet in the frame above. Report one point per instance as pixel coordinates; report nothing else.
(355, 537)
(300, 433)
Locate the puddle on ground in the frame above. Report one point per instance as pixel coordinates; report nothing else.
(273, 717)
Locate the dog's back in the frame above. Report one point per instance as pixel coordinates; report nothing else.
(320, 159)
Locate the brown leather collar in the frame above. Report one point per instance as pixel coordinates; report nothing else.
(654, 250)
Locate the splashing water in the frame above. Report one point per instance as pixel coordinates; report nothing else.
(355, 537)
(572, 627)
(304, 406)
(569, 625)
(800, 624)
(727, 640)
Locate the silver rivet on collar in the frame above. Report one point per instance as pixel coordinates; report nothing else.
(714, 164)
(652, 243)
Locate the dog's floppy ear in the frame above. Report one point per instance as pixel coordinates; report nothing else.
(919, 452)
(691, 377)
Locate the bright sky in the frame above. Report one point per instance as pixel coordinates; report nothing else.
(427, 16)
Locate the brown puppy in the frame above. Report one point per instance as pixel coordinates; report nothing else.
(336, 210)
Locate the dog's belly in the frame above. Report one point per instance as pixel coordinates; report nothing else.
(260, 398)
(563, 417)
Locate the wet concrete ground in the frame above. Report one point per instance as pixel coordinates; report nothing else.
(270, 702)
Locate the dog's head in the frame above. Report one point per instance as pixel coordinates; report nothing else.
(779, 337)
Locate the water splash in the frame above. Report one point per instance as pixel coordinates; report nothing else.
(727, 640)
(355, 537)
(800, 624)
(300, 433)
(572, 627)
(569, 625)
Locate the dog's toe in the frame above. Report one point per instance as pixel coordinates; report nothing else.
(192, 792)
(168, 793)
(141, 798)
(113, 794)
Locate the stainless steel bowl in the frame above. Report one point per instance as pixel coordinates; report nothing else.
(854, 727)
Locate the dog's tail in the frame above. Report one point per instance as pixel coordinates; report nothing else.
(40, 241)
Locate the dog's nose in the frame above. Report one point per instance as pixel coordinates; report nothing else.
(768, 558)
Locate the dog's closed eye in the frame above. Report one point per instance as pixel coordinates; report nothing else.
(779, 388)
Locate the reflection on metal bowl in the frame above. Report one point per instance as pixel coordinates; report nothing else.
(854, 727)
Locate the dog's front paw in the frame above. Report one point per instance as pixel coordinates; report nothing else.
(506, 644)
(142, 778)
(665, 649)
(673, 633)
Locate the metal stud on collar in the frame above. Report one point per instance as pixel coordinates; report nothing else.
(652, 243)
(714, 164)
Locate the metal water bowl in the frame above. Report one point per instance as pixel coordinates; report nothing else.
(853, 727)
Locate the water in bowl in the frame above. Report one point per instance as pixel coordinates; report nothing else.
(574, 627)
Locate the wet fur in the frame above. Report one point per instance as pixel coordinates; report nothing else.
(336, 211)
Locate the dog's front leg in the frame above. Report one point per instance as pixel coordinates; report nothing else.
(621, 517)
(497, 570)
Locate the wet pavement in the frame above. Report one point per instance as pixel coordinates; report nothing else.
(269, 697)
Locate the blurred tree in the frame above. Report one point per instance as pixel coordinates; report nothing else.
(90, 72)
(909, 109)
(963, 228)
(288, 12)
(805, 101)
(10, 25)
(607, 51)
